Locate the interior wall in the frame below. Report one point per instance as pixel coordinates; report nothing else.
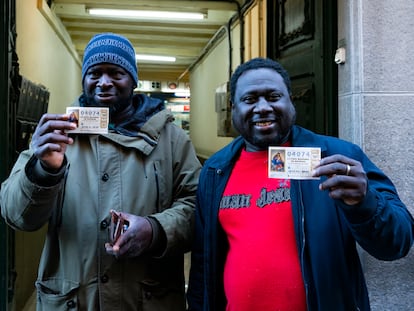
(213, 71)
(255, 31)
(43, 59)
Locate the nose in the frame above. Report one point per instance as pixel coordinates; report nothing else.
(104, 80)
(262, 105)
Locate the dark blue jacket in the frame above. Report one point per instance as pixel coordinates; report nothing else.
(327, 231)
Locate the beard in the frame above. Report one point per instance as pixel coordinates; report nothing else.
(263, 143)
(278, 141)
(263, 140)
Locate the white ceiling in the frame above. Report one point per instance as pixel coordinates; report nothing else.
(183, 40)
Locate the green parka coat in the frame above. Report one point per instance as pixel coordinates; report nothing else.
(153, 174)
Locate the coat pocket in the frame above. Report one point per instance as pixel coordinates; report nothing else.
(155, 296)
(57, 294)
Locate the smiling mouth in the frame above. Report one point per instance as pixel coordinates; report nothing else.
(267, 123)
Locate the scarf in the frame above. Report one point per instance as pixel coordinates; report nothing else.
(145, 108)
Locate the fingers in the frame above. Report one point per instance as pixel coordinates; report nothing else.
(339, 165)
(51, 130)
(337, 158)
(346, 179)
(348, 170)
(50, 142)
(120, 247)
(349, 189)
(342, 184)
(350, 196)
(336, 164)
(110, 250)
(135, 239)
(125, 246)
(54, 122)
(49, 139)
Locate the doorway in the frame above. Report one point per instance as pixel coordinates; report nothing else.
(302, 36)
(8, 97)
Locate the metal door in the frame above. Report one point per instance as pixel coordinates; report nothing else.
(7, 140)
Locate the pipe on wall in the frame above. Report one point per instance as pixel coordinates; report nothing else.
(221, 32)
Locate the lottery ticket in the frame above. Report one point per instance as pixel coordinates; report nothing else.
(293, 162)
(90, 120)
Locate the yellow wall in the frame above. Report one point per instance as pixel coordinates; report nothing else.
(255, 31)
(213, 71)
(44, 58)
(206, 77)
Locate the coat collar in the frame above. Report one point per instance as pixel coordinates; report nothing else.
(149, 119)
(147, 137)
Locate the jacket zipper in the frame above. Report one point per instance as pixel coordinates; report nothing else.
(157, 188)
(302, 251)
(61, 198)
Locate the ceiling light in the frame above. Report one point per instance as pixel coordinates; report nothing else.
(182, 94)
(146, 14)
(155, 58)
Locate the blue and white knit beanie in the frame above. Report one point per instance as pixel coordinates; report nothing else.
(110, 48)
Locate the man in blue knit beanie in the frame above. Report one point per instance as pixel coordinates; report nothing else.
(110, 48)
(114, 50)
(119, 206)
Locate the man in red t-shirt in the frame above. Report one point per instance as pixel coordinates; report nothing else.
(272, 244)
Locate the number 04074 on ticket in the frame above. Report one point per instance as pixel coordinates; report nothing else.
(293, 162)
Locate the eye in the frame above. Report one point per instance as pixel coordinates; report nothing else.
(117, 73)
(249, 99)
(273, 97)
(93, 73)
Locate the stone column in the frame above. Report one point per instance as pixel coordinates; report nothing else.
(376, 111)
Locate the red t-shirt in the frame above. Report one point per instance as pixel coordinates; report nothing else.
(262, 269)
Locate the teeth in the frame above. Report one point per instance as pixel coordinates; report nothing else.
(263, 123)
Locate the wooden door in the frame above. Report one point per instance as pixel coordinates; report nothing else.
(302, 36)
